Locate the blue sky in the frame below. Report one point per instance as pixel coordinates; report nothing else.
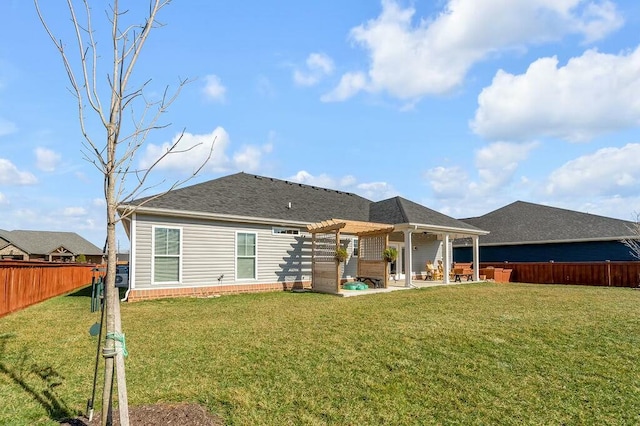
(462, 105)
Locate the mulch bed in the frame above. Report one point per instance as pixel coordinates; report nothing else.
(157, 414)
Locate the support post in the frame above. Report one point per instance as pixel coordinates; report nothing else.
(408, 248)
(313, 258)
(446, 255)
(338, 276)
(476, 258)
(386, 264)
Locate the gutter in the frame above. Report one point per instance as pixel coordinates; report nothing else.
(439, 229)
(217, 216)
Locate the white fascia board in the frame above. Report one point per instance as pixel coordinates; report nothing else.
(438, 229)
(220, 217)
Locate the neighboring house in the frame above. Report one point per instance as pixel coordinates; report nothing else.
(47, 245)
(249, 233)
(527, 232)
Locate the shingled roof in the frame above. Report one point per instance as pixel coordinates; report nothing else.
(45, 242)
(247, 195)
(400, 210)
(522, 223)
(243, 194)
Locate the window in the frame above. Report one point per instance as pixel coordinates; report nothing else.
(167, 249)
(285, 231)
(355, 247)
(246, 255)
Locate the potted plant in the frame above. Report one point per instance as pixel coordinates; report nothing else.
(341, 254)
(390, 254)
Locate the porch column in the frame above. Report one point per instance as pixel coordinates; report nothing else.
(476, 258)
(408, 248)
(446, 259)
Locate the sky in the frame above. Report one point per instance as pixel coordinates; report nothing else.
(463, 106)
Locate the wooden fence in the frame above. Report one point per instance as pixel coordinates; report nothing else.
(24, 283)
(608, 274)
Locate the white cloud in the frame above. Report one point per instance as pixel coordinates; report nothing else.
(371, 190)
(376, 190)
(593, 94)
(192, 151)
(497, 163)
(46, 159)
(350, 84)
(606, 172)
(74, 211)
(10, 175)
(3, 199)
(249, 158)
(98, 202)
(7, 127)
(265, 87)
(433, 56)
(496, 166)
(323, 180)
(319, 66)
(213, 89)
(448, 182)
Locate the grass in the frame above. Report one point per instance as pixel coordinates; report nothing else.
(471, 354)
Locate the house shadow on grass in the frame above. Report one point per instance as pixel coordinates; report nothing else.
(83, 292)
(39, 382)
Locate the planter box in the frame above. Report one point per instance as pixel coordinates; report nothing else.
(492, 273)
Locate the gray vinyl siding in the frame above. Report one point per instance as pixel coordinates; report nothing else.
(425, 250)
(208, 251)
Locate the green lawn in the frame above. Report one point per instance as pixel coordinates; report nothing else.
(467, 354)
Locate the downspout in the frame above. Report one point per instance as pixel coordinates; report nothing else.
(132, 258)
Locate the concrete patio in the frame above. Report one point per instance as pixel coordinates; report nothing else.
(399, 285)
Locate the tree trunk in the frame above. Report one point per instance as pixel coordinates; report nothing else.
(114, 322)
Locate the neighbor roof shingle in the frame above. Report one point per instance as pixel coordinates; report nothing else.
(522, 222)
(44, 242)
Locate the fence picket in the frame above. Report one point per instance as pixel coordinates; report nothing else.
(613, 274)
(24, 283)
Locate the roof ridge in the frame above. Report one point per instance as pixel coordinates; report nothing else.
(567, 210)
(302, 185)
(401, 207)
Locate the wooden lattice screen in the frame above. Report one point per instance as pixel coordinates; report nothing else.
(371, 248)
(325, 247)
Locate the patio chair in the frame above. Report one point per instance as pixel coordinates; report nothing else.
(439, 272)
(431, 270)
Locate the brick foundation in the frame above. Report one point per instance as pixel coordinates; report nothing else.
(137, 295)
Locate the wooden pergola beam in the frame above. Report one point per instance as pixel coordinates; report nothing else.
(350, 227)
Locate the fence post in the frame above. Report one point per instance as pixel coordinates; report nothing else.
(608, 273)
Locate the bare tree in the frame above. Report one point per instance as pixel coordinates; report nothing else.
(633, 242)
(111, 102)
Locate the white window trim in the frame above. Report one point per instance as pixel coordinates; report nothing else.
(235, 257)
(354, 243)
(153, 255)
(275, 229)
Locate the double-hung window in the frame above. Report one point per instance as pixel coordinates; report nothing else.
(246, 258)
(167, 249)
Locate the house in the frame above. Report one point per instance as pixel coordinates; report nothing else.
(47, 246)
(247, 233)
(528, 232)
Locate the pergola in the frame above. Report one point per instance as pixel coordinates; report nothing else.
(373, 238)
